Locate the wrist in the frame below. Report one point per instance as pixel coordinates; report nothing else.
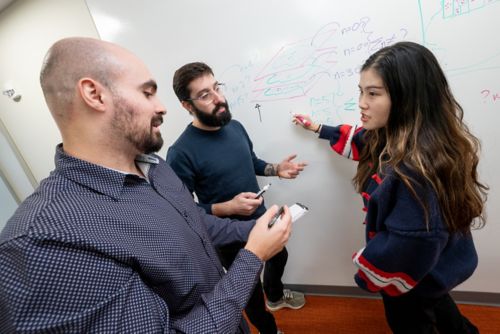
(271, 169)
(318, 128)
(221, 209)
(254, 251)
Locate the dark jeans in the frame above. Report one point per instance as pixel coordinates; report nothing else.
(412, 314)
(256, 309)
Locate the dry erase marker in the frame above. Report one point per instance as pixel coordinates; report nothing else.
(276, 217)
(263, 190)
(303, 120)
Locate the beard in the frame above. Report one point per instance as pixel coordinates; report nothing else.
(125, 122)
(213, 118)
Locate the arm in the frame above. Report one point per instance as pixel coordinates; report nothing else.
(346, 140)
(49, 286)
(224, 231)
(286, 169)
(243, 204)
(396, 258)
(73, 288)
(183, 168)
(263, 243)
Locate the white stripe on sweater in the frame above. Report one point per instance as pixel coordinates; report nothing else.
(347, 152)
(401, 284)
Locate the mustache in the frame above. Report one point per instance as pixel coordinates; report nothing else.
(157, 120)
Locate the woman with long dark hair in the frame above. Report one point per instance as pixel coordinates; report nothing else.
(417, 174)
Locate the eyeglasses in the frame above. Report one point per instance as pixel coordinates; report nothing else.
(208, 96)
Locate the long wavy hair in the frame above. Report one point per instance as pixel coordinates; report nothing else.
(425, 135)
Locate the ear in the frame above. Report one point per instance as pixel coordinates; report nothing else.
(93, 93)
(188, 106)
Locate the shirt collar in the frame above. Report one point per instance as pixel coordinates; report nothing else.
(101, 179)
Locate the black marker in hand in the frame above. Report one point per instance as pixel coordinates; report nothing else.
(276, 217)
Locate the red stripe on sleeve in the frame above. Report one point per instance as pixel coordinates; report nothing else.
(377, 178)
(344, 136)
(387, 275)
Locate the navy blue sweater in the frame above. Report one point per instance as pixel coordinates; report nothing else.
(401, 252)
(217, 165)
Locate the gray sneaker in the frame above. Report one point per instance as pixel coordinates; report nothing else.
(290, 299)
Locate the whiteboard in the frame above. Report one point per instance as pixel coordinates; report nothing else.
(281, 57)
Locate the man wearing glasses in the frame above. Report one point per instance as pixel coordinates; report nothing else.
(214, 157)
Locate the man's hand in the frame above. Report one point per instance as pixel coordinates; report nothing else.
(266, 242)
(243, 204)
(288, 169)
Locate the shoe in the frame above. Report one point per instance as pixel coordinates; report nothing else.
(290, 299)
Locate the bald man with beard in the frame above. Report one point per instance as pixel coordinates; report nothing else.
(112, 241)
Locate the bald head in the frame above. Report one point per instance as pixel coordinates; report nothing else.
(70, 60)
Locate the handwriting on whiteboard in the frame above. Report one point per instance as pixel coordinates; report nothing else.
(489, 96)
(298, 66)
(453, 8)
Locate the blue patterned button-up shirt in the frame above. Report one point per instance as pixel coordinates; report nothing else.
(94, 250)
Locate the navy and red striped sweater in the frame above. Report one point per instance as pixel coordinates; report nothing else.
(402, 253)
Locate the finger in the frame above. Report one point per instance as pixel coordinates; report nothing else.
(301, 120)
(248, 195)
(291, 157)
(269, 215)
(271, 212)
(252, 204)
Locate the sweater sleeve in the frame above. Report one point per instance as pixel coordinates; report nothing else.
(184, 168)
(346, 140)
(403, 250)
(258, 164)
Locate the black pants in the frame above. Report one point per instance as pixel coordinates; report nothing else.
(273, 271)
(411, 314)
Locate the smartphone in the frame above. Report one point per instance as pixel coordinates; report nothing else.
(263, 190)
(296, 211)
